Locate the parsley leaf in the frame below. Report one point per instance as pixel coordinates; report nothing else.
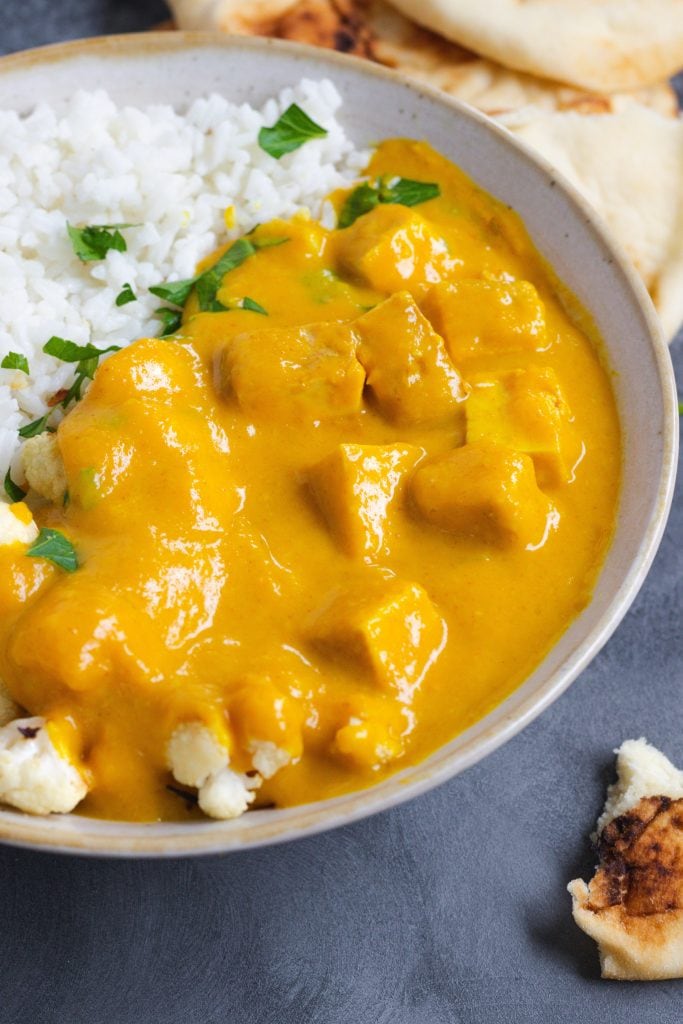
(12, 490)
(170, 320)
(85, 356)
(125, 296)
(208, 282)
(290, 131)
(252, 305)
(408, 192)
(367, 196)
(70, 352)
(36, 427)
(177, 292)
(15, 361)
(360, 201)
(94, 241)
(56, 548)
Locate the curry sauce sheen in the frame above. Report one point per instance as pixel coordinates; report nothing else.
(348, 522)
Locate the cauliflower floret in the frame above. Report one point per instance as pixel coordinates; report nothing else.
(43, 467)
(227, 794)
(194, 753)
(196, 758)
(33, 776)
(268, 758)
(16, 524)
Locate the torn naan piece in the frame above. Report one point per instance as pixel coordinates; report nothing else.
(375, 30)
(629, 166)
(633, 906)
(604, 45)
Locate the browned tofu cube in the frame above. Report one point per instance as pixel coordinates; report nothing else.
(391, 248)
(484, 491)
(526, 410)
(355, 485)
(483, 317)
(408, 369)
(384, 626)
(294, 373)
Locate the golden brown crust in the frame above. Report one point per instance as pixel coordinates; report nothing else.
(376, 31)
(633, 906)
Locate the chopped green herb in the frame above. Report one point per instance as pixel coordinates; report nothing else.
(94, 241)
(268, 243)
(56, 548)
(208, 282)
(177, 292)
(36, 427)
(85, 356)
(12, 490)
(367, 196)
(66, 500)
(171, 320)
(125, 296)
(290, 131)
(680, 408)
(15, 361)
(253, 306)
(70, 352)
(360, 201)
(407, 192)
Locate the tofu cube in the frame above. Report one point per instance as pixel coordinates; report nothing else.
(408, 369)
(391, 248)
(355, 486)
(294, 373)
(367, 745)
(526, 410)
(477, 317)
(385, 627)
(486, 492)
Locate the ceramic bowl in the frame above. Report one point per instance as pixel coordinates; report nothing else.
(175, 68)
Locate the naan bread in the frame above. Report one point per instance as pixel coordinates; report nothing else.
(602, 45)
(633, 906)
(374, 30)
(629, 166)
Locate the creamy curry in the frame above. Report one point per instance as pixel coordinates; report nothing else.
(346, 511)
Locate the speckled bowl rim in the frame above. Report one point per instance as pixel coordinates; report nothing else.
(76, 834)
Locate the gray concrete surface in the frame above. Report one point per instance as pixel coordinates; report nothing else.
(449, 910)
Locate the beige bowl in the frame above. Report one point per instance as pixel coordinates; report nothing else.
(175, 68)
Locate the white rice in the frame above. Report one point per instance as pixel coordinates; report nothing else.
(173, 174)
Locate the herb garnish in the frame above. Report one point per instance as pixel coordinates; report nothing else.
(208, 282)
(94, 241)
(85, 356)
(289, 132)
(12, 490)
(15, 361)
(171, 320)
(36, 427)
(367, 196)
(56, 548)
(252, 305)
(125, 296)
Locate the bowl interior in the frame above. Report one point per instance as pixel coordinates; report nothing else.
(175, 68)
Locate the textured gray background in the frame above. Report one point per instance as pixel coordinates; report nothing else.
(449, 910)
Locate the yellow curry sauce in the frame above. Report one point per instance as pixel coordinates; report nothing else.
(352, 538)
